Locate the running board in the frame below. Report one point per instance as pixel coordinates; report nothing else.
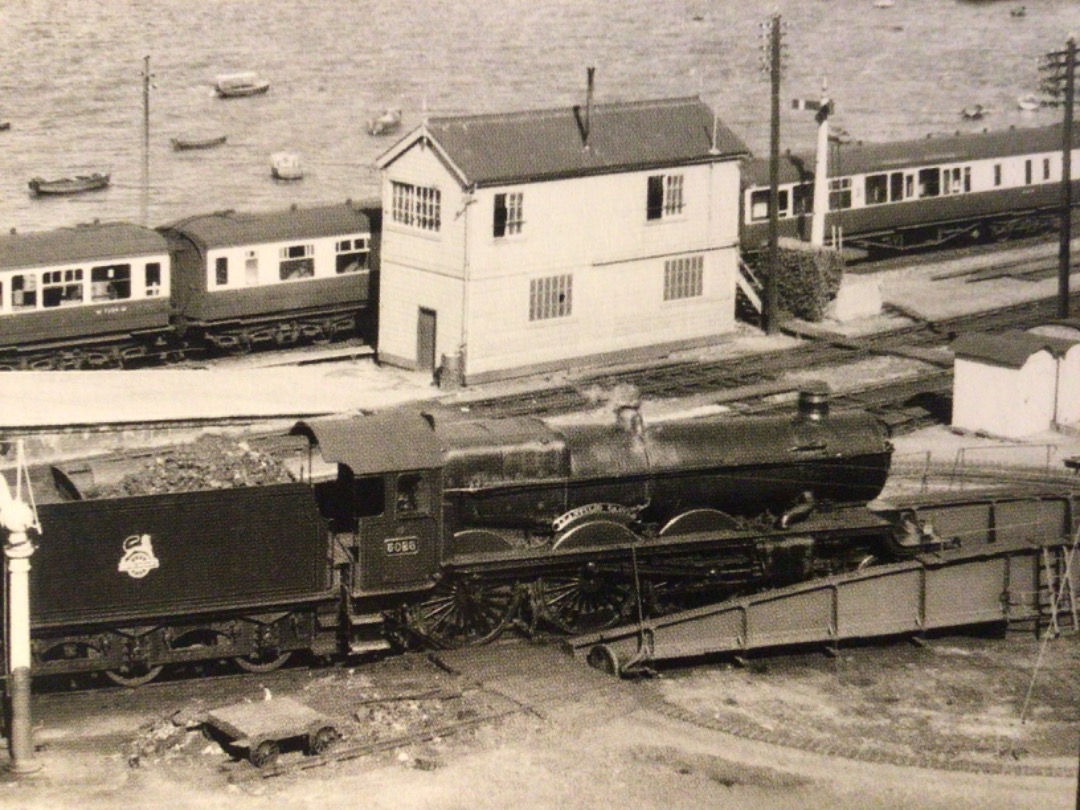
(990, 584)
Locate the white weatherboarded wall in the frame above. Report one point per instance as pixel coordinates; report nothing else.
(1005, 401)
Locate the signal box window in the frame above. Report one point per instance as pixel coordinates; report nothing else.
(153, 279)
(110, 282)
(410, 494)
(550, 297)
(664, 197)
(297, 261)
(369, 497)
(509, 214)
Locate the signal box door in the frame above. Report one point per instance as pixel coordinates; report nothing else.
(399, 530)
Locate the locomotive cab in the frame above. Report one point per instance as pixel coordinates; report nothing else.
(384, 507)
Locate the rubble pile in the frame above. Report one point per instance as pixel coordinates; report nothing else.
(211, 462)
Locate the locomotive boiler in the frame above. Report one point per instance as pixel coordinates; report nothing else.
(448, 531)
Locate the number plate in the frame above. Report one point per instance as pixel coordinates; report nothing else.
(398, 546)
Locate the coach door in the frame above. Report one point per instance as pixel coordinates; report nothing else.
(425, 340)
(399, 547)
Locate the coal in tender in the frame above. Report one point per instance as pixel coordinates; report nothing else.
(211, 462)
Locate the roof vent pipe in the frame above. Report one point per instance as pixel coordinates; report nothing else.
(583, 123)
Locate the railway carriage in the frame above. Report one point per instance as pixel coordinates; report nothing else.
(245, 279)
(918, 193)
(90, 296)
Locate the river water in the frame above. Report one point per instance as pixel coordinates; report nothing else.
(71, 81)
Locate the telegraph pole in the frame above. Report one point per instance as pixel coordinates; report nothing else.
(146, 144)
(1061, 83)
(772, 292)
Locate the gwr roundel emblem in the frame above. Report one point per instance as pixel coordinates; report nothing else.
(138, 559)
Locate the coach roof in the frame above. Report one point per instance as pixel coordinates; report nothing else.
(229, 228)
(82, 243)
(487, 150)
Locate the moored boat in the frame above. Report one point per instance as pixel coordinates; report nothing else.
(69, 185)
(197, 142)
(238, 85)
(5, 125)
(389, 121)
(974, 112)
(285, 166)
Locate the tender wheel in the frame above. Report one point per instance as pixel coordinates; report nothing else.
(464, 610)
(265, 754)
(257, 662)
(588, 601)
(133, 675)
(322, 740)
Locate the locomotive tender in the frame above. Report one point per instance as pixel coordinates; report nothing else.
(449, 531)
(919, 193)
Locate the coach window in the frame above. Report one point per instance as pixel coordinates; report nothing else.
(929, 182)
(997, 174)
(896, 186)
(352, 255)
(251, 268)
(61, 288)
(1046, 168)
(153, 279)
(840, 193)
(877, 189)
(410, 494)
(297, 261)
(1027, 172)
(24, 292)
(759, 204)
(221, 270)
(110, 282)
(802, 199)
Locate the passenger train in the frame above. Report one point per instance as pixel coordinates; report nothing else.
(112, 295)
(938, 190)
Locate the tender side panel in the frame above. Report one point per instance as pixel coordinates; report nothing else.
(129, 559)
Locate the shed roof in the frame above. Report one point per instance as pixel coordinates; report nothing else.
(96, 242)
(1010, 349)
(375, 443)
(959, 147)
(486, 150)
(230, 228)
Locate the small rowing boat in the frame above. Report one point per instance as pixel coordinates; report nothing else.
(285, 166)
(389, 121)
(69, 185)
(239, 85)
(974, 112)
(208, 142)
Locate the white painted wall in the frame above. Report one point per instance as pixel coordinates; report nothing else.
(1006, 402)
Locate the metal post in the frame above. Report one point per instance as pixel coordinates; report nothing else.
(1066, 183)
(772, 296)
(146, 144)
(17, 518)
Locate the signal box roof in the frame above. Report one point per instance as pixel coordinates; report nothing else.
(82, 243)
(231, 229)
(522, 147)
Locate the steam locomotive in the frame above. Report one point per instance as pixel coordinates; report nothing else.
(410, 528)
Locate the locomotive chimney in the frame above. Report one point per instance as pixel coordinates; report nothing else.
(628, 418)
(814, 401)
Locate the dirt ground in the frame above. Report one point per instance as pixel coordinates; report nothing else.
(960, 722)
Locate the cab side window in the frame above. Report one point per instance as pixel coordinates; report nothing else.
(410, 494)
